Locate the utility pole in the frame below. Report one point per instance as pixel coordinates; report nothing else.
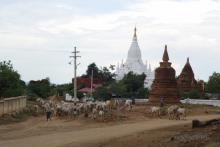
(91, 84)
(75, 52)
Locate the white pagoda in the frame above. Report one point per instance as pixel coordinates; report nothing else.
(135, 64)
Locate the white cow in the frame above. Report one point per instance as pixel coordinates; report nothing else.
(41, 101)
(101, 114)
(128, 103)
(181, 112)
(155, 111)
(101, 105)
(172, 111)
(108, 104)
(94, 113)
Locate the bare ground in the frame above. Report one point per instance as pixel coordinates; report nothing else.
(175, 136)
(134, 128)
(81, 137)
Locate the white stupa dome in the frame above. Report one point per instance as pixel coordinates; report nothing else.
(134, 63)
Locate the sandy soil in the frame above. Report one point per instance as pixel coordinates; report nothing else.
(36, 132)
(124, 128)
(175, 136)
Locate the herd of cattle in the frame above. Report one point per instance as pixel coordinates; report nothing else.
(100, 109)
(96, 109)
(173, 111)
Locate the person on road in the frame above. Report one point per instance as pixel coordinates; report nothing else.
(48, 113)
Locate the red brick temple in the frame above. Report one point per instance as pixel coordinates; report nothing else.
(165, 83)
(186, 80)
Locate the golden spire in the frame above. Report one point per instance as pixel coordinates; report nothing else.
(165, 55)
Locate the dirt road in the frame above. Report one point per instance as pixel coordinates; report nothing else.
(92, 135)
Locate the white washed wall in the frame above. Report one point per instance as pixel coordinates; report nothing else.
(204, 102)
(141, 101)
(9, 105)
(190, 101)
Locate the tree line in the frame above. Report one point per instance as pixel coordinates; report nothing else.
(131, 85)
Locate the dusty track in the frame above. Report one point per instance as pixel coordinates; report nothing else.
(78, 137)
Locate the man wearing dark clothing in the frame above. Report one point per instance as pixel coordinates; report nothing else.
(48, 115)
(48, 112)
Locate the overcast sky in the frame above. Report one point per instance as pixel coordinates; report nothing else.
(38, 35)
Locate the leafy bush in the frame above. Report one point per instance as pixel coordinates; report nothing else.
(213, 84)
(10, 82)
(131, 86)
(194, 94)
(41, 88)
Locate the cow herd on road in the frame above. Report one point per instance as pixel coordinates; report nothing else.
(101, 109)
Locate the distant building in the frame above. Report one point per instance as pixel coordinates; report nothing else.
(186, 80)
(164, 87)
(68, 97)
(84, 84)
(135, 64)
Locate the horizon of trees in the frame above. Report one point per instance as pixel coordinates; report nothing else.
(130, 86)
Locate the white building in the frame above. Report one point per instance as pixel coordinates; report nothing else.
(68, 97)
(135, 64)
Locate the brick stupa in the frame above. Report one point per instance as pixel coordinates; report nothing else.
(186, 80)
(165, 83)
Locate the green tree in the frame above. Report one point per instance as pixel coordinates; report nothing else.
(142, 93)
(92, 67)
(102, 93)
(41, 88)
(105, 75)
(64, 88)
(112, 67)
(118, 89)
(131, 86)
(194, 94)
(10, 82)
(134, 85)
(213, 84)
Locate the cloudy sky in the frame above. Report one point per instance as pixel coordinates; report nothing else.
(38, 35)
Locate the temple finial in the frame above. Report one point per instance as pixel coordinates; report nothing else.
(165, 55)
(135, 34)
(135, 30)
(187, 59)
